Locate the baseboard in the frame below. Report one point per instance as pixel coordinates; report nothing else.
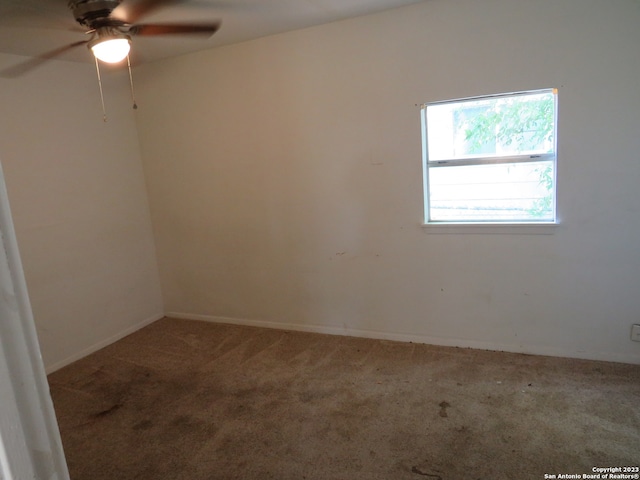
(97, 346)
(423, 339)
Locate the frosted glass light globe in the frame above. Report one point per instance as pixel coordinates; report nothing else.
(113, 50)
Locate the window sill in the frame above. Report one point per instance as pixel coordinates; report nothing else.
(491, 228)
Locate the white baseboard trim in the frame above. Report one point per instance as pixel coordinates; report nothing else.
(404, 337)
(108, 341)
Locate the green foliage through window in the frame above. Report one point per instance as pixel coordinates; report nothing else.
(523, 124)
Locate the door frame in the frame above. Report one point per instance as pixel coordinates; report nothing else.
(30, 444)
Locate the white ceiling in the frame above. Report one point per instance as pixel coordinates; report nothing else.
(34, 27)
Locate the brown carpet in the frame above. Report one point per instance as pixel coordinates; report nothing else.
(186, 400)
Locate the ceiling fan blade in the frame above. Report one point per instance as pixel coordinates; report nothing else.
(204, 29)
(32, 63)
(131, 11)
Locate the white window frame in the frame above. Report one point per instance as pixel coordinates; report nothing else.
(506, 226)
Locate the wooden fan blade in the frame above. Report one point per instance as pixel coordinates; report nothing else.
(32, 63)
(204, 29)
(132, 11)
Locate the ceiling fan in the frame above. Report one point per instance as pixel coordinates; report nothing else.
(112, 23)
(108, 27)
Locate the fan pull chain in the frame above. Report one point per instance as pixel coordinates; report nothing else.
(133, 96)
(104, 111)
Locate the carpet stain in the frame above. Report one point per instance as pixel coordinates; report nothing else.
(181, 420)
(108, 411)
(143, 425)
(443, 409)
(416, 470)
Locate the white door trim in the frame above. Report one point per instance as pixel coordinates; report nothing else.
(30, 445)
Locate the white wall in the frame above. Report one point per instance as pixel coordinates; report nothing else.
(285, 178)
(79, 205)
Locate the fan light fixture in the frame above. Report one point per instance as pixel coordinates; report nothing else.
(111, 49)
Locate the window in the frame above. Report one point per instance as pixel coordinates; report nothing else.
(491, 159)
